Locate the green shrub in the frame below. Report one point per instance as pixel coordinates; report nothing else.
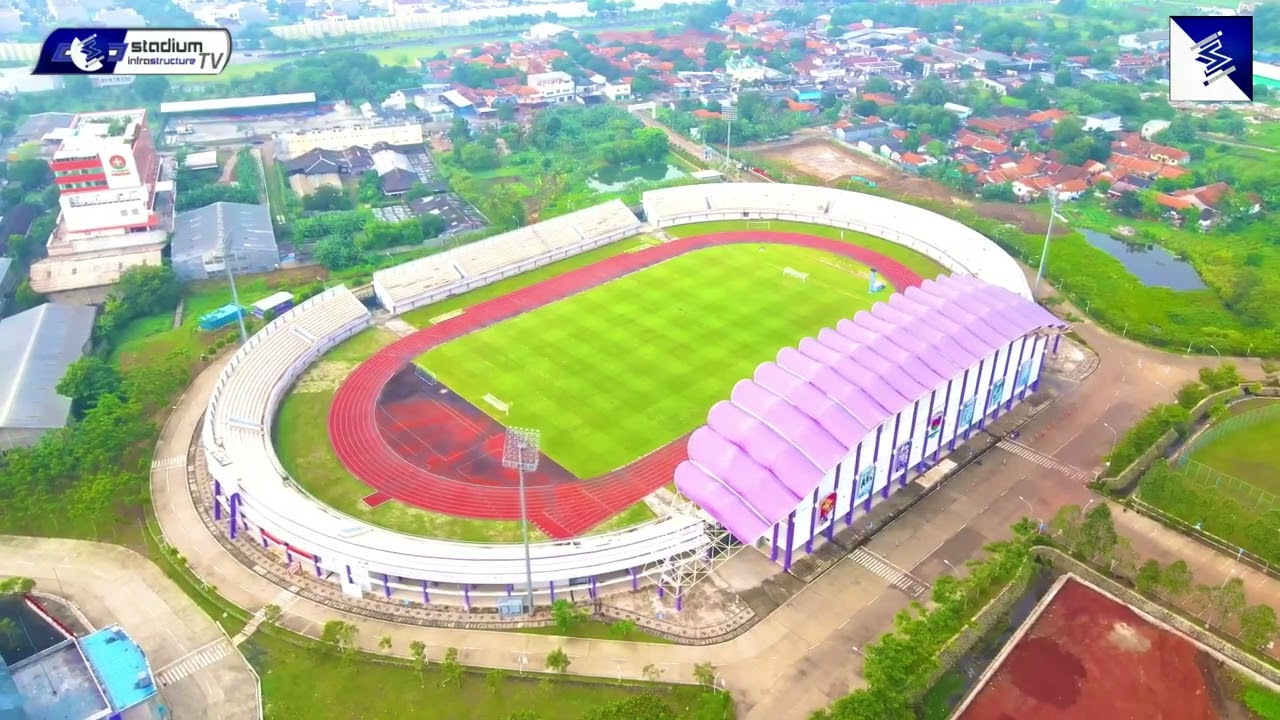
(1141, 437)
(1190, 395)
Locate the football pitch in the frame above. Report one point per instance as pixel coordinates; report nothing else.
(619, 370)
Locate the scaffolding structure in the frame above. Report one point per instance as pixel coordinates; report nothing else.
(678, 574)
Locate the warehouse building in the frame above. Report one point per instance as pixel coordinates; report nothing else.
(39, 345)
(206, 239)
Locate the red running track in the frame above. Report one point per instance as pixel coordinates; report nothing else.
(395, 461)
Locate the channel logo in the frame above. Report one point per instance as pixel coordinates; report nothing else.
(129, 51)
(1211, 58)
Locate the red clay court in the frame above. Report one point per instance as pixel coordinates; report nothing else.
(1089, 657)
(425, 446)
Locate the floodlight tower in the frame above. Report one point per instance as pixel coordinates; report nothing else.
(520, 451)
(1055, 205)
(227, 256)
(730, 113)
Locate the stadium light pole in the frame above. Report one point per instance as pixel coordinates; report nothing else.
(730, 112)
(1055, 204)
(520, 450)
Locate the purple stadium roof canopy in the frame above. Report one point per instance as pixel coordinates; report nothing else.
(782, 431)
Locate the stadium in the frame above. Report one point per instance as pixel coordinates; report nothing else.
(668, 429)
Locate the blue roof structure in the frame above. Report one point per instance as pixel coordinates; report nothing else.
(57, 684)
(10, 698)
(120, 666)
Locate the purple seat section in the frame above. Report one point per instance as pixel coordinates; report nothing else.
(828, 413)
(802, 431)
(781, 432)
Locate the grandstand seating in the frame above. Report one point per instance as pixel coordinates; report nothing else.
(956, 246)
(237, 440)
(433, 278)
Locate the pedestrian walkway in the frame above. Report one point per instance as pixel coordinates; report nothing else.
(895, 576)
(169, 462)
(1044, 461)
(282, 601)
(194, 662)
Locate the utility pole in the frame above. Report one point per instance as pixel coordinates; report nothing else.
(520, 450)
(227, 257)
(730, 113)
(1055, 204)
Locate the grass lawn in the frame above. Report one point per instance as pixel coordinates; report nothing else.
(592, 629)
(612, 373)
(1245, 452)
(310, 683)
(923, 266)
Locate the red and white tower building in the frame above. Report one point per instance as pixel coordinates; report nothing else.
(106, 170)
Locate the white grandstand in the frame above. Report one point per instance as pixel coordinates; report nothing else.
(427, 280)
(254, 493)
(956, 246)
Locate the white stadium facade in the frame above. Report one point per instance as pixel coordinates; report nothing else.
(814, 438)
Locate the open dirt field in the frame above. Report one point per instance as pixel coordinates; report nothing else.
(835, 164)
(1089, 657)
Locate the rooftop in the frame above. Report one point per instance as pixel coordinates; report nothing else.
(221, 227)
(41, 343)
(121, 667)
(90, 131)
(58, 684)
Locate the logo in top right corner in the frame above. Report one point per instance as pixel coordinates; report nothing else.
(1211, 58)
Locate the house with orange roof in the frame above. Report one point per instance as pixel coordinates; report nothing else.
(879, 98)
(702, 114)
(1052, 115)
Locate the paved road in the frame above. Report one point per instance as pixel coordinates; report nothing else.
(801, 656)
(113, 585)
(694, 149)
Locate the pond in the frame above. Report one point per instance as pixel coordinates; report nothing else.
(23, 633)
(616, 179)
(1153, 265)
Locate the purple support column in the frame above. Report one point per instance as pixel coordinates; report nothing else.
(791, 533)
(893, 455)
(510, 589)
(288, 556)
(386, 585)
(235, 514)
(426, 596)
(924, 446)
(593, 587)
(217, 506)
(986, 401)
(831, 526)
(315, 560)
(1036, 385)
(466, 597)
(1008, 358)
(662, 592)
(977, 385)
(773, 551)
(263, 536)
(552, 585)
(350, 580)
(813, 521)
(635, 579)
(679, 600)
(911, 436)
(853, 492)
(964, 388)
(1056, 338)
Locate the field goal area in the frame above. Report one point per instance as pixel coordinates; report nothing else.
(759, 224)
(424, 375)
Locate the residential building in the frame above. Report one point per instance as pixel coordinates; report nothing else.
(1105, 121)
(552, 87)
(395, 173)
(744, 70)
(547, 32)
(39, 345)
(1149, 41)
(1151, 127)
(619, 92)
(295, 145)
(106, 170)
(208, 239)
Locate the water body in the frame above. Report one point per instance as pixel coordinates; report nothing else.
(1151, 264)
(23, 633)
(616, 179)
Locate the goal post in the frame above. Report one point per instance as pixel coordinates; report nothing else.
(793, 273)
(759, 224)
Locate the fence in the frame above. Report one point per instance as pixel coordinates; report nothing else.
(1245, 492)
(1226, 427)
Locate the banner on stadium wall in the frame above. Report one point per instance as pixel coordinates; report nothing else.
(935, 425)
(965, 419)
(826, 507)
(997, 393)
(866, 478)
(901, 457)
(1024, 375)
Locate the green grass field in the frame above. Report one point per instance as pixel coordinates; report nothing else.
(1245, 451)
(615, 372)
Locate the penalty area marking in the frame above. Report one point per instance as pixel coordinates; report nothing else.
(447, 316)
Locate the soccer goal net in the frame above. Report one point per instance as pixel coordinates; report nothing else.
(424, 376)
(759, 224)
(793, 273)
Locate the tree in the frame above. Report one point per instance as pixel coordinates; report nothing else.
(450, 668)
(639, 707)
(1097, 533)
(704, 673)
(558, 660)
(1176, 579)
(1257, 626)
(1147, 581)
(652, 673)
(384, 643)
(33, 174)
(1124, 559)
(338, 253)
(271, 613)
(432, 226)
(566, 615)
(1067, 525)
(86, 380)
(494, 679)
(621, 629)
(418, 655)
(326, 198)
(9, 631)
(341, 636)
(16, 586)
(524, 715)
(1228, 601)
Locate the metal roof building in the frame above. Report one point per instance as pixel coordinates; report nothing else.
(203, 237)
(257, 102)
(40, 343)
